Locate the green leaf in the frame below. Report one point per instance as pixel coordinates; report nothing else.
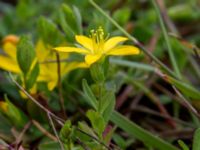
(97, 72)
(70, 17)
(108, 136)
(119, 141)
(196, 140)
(185, 88)
(24, 6)
(66, 133)
(84, 127)
(108, 106)
(32, 76)
(122, 15)
(131, 64)
(97, 121)
(25, 54)
(49, 32)
(78, 17)
(183, 145)
(70, 21)
(15, 115)
(5, 128)
(49, 146)
(89, 96)
(139, 133)
(65, 27)
(106, 99)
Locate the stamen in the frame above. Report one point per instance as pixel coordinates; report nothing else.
(98, 39)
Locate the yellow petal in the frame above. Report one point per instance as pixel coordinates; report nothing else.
(49, 79)
(90, 59)
(41, 50)
(4, 106)
(112, 42)
(11, 39)
(52, 84)
(48, 74)
(9, 64)
(10, 49)
(85, 42)
(124, 50)
(73, 65)
(71, 49)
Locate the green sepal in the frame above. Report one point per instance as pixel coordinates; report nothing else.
(25, 54)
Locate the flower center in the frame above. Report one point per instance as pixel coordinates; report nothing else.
(98, 39)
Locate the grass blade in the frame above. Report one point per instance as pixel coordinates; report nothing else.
(131, 64)
(139, 133)
(166, 37)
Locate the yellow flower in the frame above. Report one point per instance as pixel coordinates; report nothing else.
(96, 46)
(45, 57)
(48, 65)
(9, 60)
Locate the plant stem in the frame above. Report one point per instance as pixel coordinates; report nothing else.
(166, 37)
(55, 132)
(44, 131)
(62, 104)
(186, 102)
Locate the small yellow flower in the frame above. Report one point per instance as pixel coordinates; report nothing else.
(45, 57)
(96, 46)
(49, 66)
(9, 59)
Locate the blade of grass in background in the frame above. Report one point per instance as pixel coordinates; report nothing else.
(196, 140)
(131, 64)
(166, 37)
(139, 133)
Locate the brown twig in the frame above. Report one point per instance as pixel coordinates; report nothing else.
(19, 138)
(185, 102)
(180, 134)
(155, 113)
(62, 104)
(60, 120)
(3, 147)
(166, 19)
(196, 49)
(148, 84)
(123, 96)
(55, 132)
(152, 96)
(153, 41)
(44, 131)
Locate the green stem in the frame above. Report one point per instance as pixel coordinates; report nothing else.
(140, 133)
(135, 41)
(100, 86)
(166, 37)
